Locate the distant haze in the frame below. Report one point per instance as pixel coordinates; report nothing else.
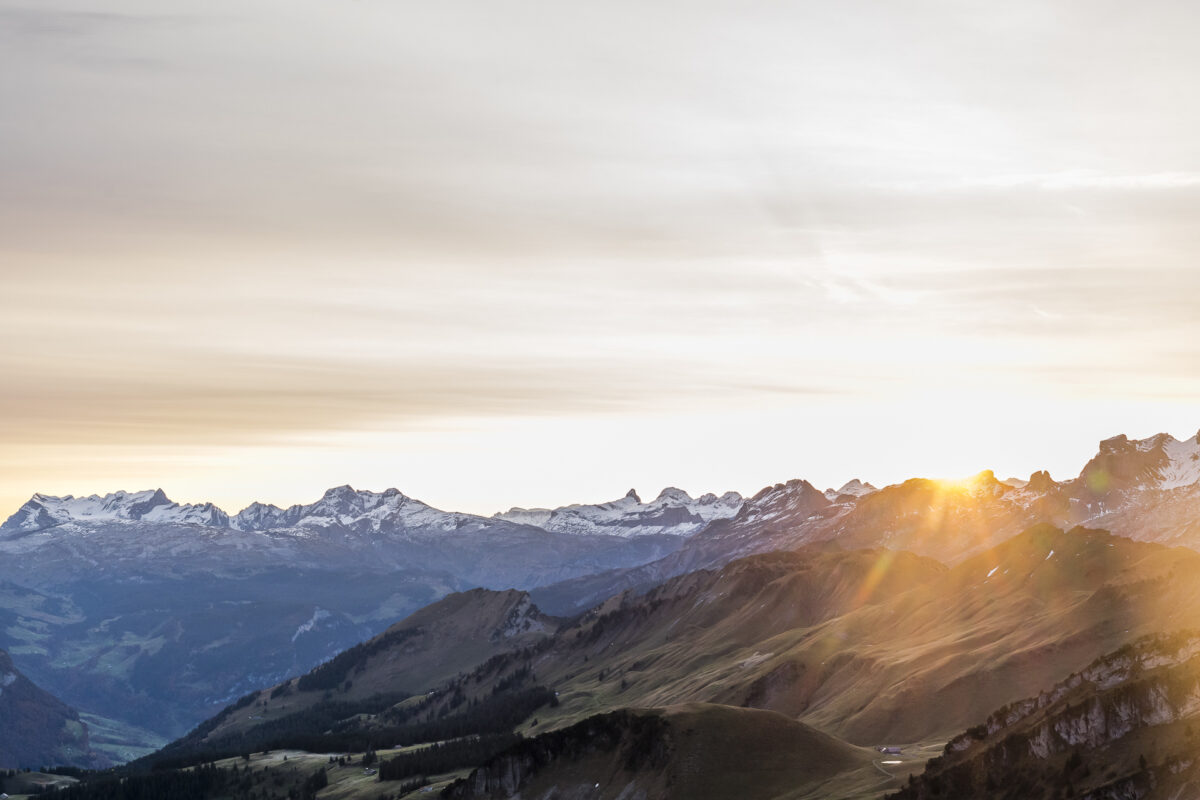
(538, 253)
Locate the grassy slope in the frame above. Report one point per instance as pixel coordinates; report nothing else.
(120, 742)
(877, 647)
(280, 770)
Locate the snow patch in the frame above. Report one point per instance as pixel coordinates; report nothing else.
(152, 505)
(854, 488)
(1184, 467)
(754, 660)
(312, 623)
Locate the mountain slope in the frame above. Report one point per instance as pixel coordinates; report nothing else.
(37, 729)
(412, 657)
(875, 646)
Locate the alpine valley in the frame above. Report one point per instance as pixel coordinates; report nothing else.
(1020, 638)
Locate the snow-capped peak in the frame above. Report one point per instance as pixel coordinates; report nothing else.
(671, 494)
(46, 511)
(674, 512)
(1183, 462)
(852, 488)
(347, 507)
(388, 512)
(1158, 462)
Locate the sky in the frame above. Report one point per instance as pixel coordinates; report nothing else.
(530, 253)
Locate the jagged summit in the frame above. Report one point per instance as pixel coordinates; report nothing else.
(674, 511)
(343, 506)
(152, 505)
(791, 488)
(1040, 482)
(1157, 462)
(853, 489)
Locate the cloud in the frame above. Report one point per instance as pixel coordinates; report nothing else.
(218, 399)
(254, 223)
(1063, 181)
(24, 21)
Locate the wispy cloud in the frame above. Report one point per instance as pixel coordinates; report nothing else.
(1065, 181)
(25, 24)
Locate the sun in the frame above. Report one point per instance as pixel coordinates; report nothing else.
(968, 484)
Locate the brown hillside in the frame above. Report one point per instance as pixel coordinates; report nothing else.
(876, 646)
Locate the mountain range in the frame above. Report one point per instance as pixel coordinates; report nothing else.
(152, 615)
(388, 512)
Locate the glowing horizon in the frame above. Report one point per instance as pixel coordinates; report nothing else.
(535, 256)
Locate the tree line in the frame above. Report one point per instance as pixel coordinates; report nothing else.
(311, 730)
(446, 756)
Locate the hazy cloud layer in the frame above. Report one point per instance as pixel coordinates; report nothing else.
(233, 221)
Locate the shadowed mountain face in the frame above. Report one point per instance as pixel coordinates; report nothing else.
(414, 656)
(37, 729)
